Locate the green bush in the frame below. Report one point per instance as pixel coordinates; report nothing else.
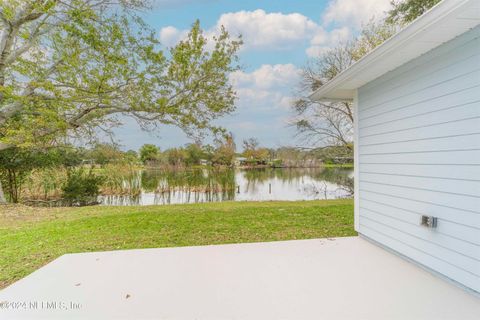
(277, 163)
(328, 161)
(81, 187)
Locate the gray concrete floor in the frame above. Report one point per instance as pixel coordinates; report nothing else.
(341, 278)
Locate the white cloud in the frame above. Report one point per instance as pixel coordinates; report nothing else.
(345, 17)
(316, 51)
(169, 36)
(262, 30)
(266, 30)
(324, 40)
(267, 88)
(354, 12)
(266, 77)
(259, 29)
(340, 34)
(263, 105)
(277, 31)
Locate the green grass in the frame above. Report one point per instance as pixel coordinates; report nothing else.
(344, 165)
(30, 238)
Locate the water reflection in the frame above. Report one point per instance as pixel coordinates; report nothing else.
(160, 187)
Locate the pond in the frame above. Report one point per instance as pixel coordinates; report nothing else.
(159, 187)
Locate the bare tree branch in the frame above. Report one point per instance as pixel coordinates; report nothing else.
(332, 123)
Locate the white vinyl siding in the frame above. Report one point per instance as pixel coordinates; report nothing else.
(419, 153)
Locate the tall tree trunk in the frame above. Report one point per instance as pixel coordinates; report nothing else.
(2, 195)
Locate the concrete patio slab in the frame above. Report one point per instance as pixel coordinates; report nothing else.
(341, 278)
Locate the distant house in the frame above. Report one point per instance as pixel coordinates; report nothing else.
(417, 140)
(240, 161)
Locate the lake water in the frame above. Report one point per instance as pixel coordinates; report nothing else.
(160, 187)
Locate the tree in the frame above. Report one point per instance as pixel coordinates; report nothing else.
(17, 163)
(131, 156)
(331, 123)
(176, 156)
(334, 154)
(262, 154)
(103, 153)
(194, 154)
(406, 11)
(208, 152)
(250, 147)
(149, 152)
(252, 150)
(71, 67)
(225, 152)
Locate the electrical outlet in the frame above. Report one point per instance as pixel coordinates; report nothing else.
(429, 221)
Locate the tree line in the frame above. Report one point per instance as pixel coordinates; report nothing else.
(18, 164)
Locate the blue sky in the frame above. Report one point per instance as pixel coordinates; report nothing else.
(280, 36)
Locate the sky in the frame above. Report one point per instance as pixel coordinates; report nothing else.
(280, 37)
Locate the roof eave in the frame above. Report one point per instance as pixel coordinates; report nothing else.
(333, 90)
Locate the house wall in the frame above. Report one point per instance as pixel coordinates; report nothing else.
(419, 153)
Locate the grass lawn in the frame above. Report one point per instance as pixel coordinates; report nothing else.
(345, 165)
(32, 237)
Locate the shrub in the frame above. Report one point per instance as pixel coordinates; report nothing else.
(81, 187)
(16, 164)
